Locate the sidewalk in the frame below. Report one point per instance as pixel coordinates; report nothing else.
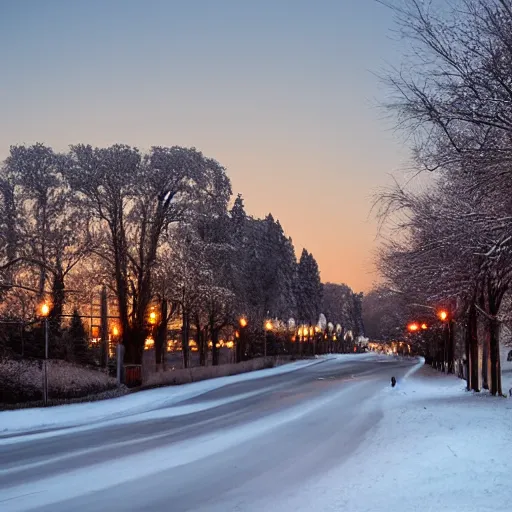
(437, 448)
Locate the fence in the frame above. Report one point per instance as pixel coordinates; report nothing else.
(79, 363)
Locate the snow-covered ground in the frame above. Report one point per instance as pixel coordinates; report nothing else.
(146, 403)
(506, 369)
(359, 445)
(437, 448)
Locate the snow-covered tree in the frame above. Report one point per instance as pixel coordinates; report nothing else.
(134, 199)
(342, 306)
(45, 232)
(308, 289)
(453, 94)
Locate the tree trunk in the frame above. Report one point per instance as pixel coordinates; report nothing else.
(104, 327)
(200, 340)
(472, 349)
(161, 334)
(55, 318)
(134, 346)
(485, 358)
(239, 343)
(485, 343)
(185, 334)
(215, 350)
(451, 347)
(494, 349)
(446, 341)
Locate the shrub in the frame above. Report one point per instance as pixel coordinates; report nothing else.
(22, 380)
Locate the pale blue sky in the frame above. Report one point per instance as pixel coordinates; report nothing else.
(281, 92)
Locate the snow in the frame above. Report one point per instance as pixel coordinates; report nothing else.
(107, 475)
(33, 420)
(437, 448)
(506, 369)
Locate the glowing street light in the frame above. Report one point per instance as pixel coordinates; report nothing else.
(443, 315)
(45, 311)
(243, 322)
(268, 328)
(424, 326)
(115, 330)
(413, 327)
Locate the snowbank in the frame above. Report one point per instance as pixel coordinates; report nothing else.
(86, 414)
(506, 370)
(437, 448)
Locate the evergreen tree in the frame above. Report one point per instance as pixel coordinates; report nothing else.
(77, 340)
(308, 289)
(238, 218)
(341, 305)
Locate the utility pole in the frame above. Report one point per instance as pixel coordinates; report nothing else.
(104, 327)
(45, 383)
(45, 311)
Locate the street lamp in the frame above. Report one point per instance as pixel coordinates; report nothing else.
(268, 328)
(241, 341)
(413, 327)
(45, 311)
(447, 358)
(443, 315)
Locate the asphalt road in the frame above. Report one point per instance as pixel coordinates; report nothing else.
(245, 455)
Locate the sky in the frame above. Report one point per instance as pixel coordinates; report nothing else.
(283, 93)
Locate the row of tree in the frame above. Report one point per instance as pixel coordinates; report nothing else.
(158, 231)
(453, 242)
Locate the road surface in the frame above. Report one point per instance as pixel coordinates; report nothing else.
(248, 454)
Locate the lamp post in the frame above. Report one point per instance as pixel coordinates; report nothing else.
(268, 329)
(240, 345)
(152, 323)
(290, 336)
(119, 353)
(45, 311)
(445, 318)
